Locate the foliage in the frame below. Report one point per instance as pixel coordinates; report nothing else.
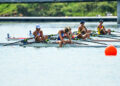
(59, 9)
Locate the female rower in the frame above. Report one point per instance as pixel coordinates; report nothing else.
(101, 29)
(82, 31)
(82, 28)
(38, 34)
(61, 35)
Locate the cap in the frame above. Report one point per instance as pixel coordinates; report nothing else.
(38, 26)
(82, 22)
(101, 20)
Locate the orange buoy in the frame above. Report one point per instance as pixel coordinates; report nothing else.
(111, 51)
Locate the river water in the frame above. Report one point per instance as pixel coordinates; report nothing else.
(55, 66)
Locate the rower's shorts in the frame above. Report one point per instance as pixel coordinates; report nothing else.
(83, 33)
(102, 33)
(58, 38)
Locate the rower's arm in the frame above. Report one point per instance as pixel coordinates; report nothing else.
(85, 28)
(104, 28)
(68, 37)
(79, 30)
(42, 33)
(60, 36)
(35, 35)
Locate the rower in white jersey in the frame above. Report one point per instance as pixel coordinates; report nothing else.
(38, 34)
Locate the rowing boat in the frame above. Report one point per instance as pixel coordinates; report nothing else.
(95, 41)
(64, 45)
(52, 43)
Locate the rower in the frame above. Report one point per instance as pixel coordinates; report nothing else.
(101, 29)
(70, 32)
(82, 31)
(38, 34)
(61, 35)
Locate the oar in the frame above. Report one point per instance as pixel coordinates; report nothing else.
(18, 41)
(108, 37)
(91, 41)
(73, 42)
(87, 41)
(115, 31)
(115, 40)
(79, 43)
(95, 42)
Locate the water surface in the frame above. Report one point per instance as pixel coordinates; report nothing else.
(52, 66)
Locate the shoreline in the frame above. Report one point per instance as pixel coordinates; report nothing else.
(58, 19)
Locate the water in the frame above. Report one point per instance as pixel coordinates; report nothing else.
(55, 66)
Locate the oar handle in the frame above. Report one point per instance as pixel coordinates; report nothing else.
(79, 43)
(19, 41)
